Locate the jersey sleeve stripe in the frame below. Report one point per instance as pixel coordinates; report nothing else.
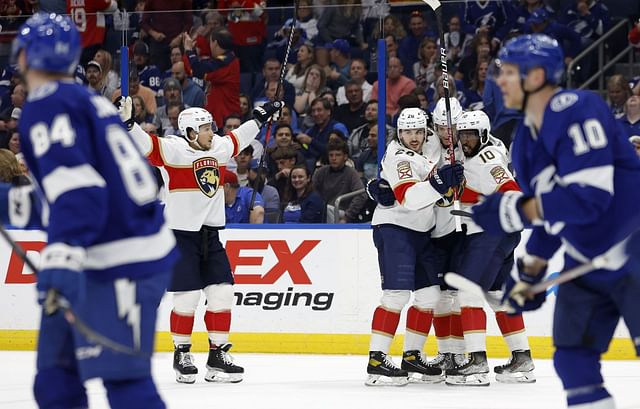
(234, 140)
(130, 250)
(65, 179)
(469, 195)
(507, 186)
(600, 177)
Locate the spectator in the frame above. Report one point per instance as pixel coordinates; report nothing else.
(314, 84)
(306, 20)
(172, 92)
(358, 73)
(473, 99)
(367, 162)
(480, 51)
(524, 11)
(247, 23)
(11, 142)
(242, 165)
(149, 74)
(96, 79)
(359, 138)
(285, 158)
(321, 54)
(410, 46)
(391, 26)
(423, 69)
(213, 21)
(631, 119)
(90, 20)
(339, 54)
(231, 123)
(303, 204)
(456, 41)
(421, 94)
(487, 17)
(245, 107)
(296, 74)
(237, 200)
(392, 46)
(397, 85)
(10, 170)
(136, 89)
(271, 72)
(336, 179)
(283, 137)
(587, 18)
(163, 22)
(342, 23)
(277, 47)
(315, 139)
(635, 141)
(634, 34)
(192, 95)
(540, 22)
(110, 78)
(175, 55)
(351, 114)
(173, 111)
(270, 196)
(18, 97)
(221, 74)
(618, 92)
(12, 123)
(142, 116)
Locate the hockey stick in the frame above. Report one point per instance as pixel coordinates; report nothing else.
(462, 213)
(437, 8)
(54, 301)
(283, 71)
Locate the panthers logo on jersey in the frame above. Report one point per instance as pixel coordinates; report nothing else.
(207, 175)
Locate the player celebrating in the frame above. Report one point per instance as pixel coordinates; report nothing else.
(193, 169)
(486, 259)
(109, 252)
(401, 235)
(574, 166)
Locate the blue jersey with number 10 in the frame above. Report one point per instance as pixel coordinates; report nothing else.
(99, 191)
(583, 172)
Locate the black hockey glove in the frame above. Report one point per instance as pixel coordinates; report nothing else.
(447, 177)
(514, 297)
(125, 110)
(380, 191)
(266, 111)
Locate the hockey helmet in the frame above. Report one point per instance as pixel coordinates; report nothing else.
(51, 43)
(478, 121)
(412, 118)
(193, 118)
(440, 112)
(532, 51)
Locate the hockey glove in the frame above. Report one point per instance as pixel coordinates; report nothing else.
(61, 272)
(266, 111)
(500, 213)
(447, 177)
(514, 297)
(125, 109)
(379, 191)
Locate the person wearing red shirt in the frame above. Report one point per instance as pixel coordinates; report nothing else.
(247, 23)
(89, 18)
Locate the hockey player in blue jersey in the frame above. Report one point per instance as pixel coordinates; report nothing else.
(577, 171)
(109, 251)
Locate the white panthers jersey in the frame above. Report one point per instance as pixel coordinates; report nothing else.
(485, 173)
(408, 172)
(194, 178)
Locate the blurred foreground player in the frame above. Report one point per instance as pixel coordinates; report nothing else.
(109, 251)
(193, 169)
(576, 170)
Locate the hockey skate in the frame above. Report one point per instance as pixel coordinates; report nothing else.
(220, 366)
(382, 371)
(447, 360)
(419, 370)
(475, 372)
(519, 369)
(186, 371)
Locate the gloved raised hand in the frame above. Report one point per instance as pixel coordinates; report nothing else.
(380, 191)
(447, 177)
(268, 110)
(500, 213)
(61, 271)
(514, 296)
(125, 110)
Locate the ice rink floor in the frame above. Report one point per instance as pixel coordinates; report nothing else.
(274, 381)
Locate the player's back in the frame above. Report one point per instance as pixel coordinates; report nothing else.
(100, 190)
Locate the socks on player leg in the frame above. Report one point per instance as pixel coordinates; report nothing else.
(474, 327)
(417, 328)
(218, 324)
(513, 331)
(383, 329)
(181, 328)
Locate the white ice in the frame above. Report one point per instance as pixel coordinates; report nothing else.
(276, 381)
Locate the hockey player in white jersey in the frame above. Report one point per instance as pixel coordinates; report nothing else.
(401, 235)
(193, 172)
(487, 260)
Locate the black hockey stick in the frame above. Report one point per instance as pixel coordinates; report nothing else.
(283, 71)
(54, 302)
(462, 213)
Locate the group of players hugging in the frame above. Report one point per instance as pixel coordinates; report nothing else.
(112, 247)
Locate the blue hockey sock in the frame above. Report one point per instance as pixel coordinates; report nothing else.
(58, 388)
(133, 394)
(579, 370)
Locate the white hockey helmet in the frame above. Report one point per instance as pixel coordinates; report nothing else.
(475, 120)
(193, 118)
(440, 112)
(412, 118)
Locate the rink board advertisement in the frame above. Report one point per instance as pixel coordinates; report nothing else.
(297, 290)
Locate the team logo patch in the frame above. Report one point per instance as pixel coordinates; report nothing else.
(500, 175)
(207, 175)
(404, 170)
(563, 101)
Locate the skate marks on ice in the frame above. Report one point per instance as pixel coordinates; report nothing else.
(275, 381)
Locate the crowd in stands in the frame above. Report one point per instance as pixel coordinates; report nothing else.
(226, 56)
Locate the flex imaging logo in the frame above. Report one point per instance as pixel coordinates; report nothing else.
(249, 255)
